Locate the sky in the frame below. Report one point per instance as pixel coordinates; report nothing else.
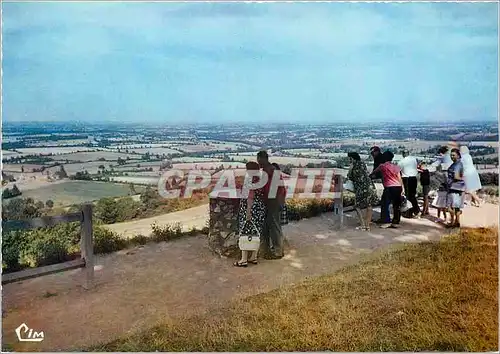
(249, 62)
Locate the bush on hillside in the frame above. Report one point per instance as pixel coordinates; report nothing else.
(44, 249)
(107, 241)
(489, 179)
(111, 210)
(166, 232)
(81, 176)
(20, 209)
(307, 208)
(45, 246)
(11, 192)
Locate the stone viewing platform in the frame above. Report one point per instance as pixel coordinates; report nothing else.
(223, 226)
(224, 204)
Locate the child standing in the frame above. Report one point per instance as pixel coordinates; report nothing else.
(425, 181)
(440, 201)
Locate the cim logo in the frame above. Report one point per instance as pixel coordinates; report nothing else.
(26, 334)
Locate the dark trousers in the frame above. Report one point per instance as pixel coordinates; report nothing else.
(410, 184)
(394, 197)
(384, 207)
(273, 236)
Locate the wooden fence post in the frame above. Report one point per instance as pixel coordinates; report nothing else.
(339, 199)
(87, 246)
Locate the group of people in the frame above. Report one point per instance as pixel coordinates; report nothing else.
(263, 213)
(400, 183)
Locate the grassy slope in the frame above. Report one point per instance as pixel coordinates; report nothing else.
(429, 296)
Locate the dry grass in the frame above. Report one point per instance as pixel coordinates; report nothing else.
(425, 297)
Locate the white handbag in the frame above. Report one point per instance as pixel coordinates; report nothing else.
(405, 205)
(249, 242)
(349, 186)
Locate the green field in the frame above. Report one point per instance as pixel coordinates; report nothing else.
(76, 192)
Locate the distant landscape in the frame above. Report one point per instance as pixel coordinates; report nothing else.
(44, 160)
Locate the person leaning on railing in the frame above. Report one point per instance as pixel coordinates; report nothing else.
(393, 186)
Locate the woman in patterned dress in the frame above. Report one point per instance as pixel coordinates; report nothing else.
(364, 189)
(251, 215)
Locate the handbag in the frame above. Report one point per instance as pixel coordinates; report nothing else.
(349, 186)
(405, 204)
(284, 215)
(249, 242)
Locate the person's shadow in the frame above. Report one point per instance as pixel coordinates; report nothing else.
(434, 219)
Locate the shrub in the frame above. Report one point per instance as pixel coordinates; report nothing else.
(107, 210)
(489, 178)
(111, 210)
(491, 191)
(306, 208)
(12, 244)
(150, 198)
(43, 250)
(107, 241)
(45, 246)
(11, 193)
(82, 176)
(138, 240)
(166, 232)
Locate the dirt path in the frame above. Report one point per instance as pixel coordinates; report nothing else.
(193, 217)
(158, 282)
(189, 218)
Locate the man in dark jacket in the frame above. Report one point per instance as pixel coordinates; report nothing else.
(378, 159)
(272, 235)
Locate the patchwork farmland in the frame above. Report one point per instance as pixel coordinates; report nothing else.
(112, 160)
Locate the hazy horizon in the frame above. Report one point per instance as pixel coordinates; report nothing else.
(202, 63)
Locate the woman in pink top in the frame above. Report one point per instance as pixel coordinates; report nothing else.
(393, 186)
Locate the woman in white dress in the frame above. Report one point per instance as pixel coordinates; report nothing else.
(471, 176)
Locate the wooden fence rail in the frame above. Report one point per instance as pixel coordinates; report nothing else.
(86, 244)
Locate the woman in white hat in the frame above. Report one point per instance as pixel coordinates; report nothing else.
(471, 176)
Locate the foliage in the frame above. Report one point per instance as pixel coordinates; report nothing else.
(62, 173)
(107, 241)
(306, 208)
(107, 210)
(166, 232)
(327, 164)
(81, 176)
(11, 192)
(150, 198)
(49, 203)
(165, 165)
(111, 210)
(486, 160)
(19, 209)
(489, 179)
(45, 246)
(8, 178)
(491, 191)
